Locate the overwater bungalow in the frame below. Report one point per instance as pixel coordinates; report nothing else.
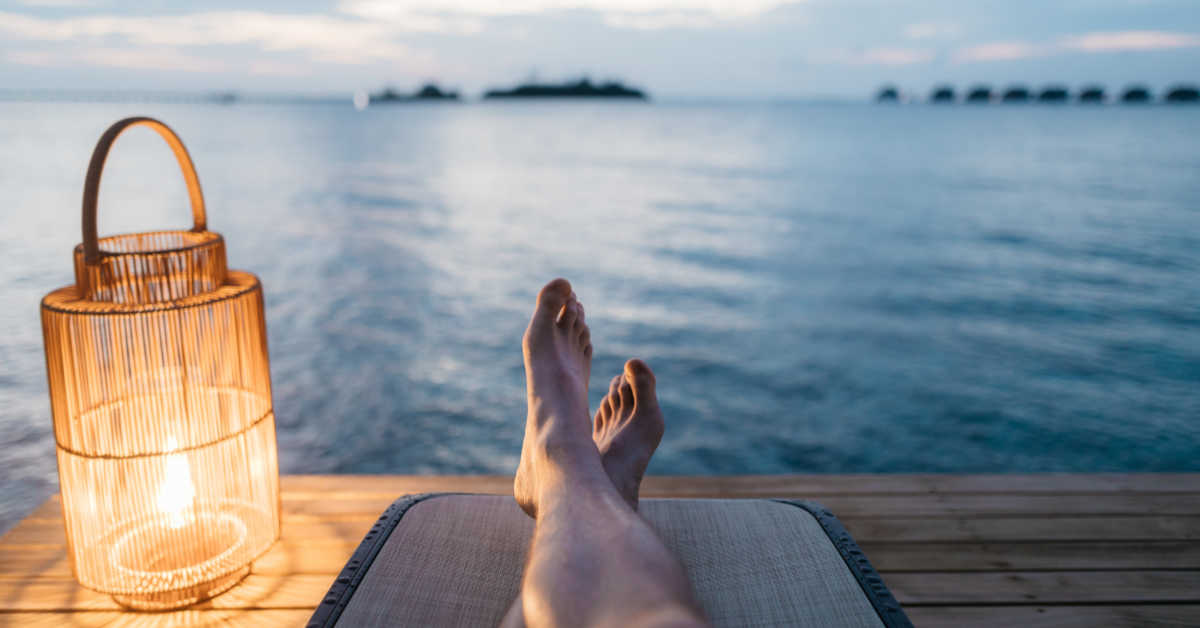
(942, 94)
(980, 94)
(1136, 95)
(1015, 94)
(1054, 94)
(1183, 94)
(1092, 94)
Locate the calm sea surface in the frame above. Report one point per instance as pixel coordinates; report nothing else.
(820, 288)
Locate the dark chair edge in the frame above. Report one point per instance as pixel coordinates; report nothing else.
(343, 587)
(881, 598)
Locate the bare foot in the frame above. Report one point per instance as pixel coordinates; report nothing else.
(628, 428)
(558, 361)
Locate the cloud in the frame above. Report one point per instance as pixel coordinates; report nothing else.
(389, 9)
(658, 21)
(895, 56)
(322, 39)
(875, 56)
(60, 4)
(633, 14)
(1089, 43)
(998, 51)
(1128, 41)
(933, 30)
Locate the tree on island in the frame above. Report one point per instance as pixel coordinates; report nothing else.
(429, 91)
(582, 88)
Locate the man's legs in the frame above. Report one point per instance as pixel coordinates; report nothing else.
(593, 561)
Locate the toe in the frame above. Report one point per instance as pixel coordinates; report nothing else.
(626, 396)
(638, 374)
(614, 388)
(585, 337)
(552, 298)
(570, 314)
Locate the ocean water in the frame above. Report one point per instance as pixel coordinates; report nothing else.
(820, 288)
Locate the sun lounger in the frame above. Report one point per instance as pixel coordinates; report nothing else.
(456, 560)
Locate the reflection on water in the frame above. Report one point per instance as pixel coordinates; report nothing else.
(820, 288)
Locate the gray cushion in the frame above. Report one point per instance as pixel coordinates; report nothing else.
(456, 560)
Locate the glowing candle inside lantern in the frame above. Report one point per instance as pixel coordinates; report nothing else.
(176, 494)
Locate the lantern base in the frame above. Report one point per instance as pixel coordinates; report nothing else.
(172, 561)
(168, 600)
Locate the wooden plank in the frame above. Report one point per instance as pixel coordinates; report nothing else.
(1065, 587)
(925, 505)
(285, 557)
(815, 485)
(932, 495)
(958, 529)
(328, 556)
(314, 505)
(300, 591)
(973, 505)
(1123, 616)
(1014, 529)
(49, 535)
(352, 486)
(1057, 556)
(1044, 587)
(175, 619)
(355, 486)
(310, 507)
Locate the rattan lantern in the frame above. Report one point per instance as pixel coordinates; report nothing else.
(161, 395)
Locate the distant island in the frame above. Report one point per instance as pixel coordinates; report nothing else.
(429, 91)
(578, 89)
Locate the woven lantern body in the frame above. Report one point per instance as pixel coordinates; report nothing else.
(161, 396)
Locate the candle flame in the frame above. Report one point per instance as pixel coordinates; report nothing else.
(176, 493)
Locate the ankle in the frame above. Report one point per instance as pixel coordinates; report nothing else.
(555, 414)
(579, 483)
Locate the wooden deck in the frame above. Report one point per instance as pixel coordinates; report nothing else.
(956, 550)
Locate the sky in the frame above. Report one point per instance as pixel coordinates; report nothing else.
(720, 49)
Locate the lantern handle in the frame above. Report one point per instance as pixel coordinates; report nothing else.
(91, 185)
